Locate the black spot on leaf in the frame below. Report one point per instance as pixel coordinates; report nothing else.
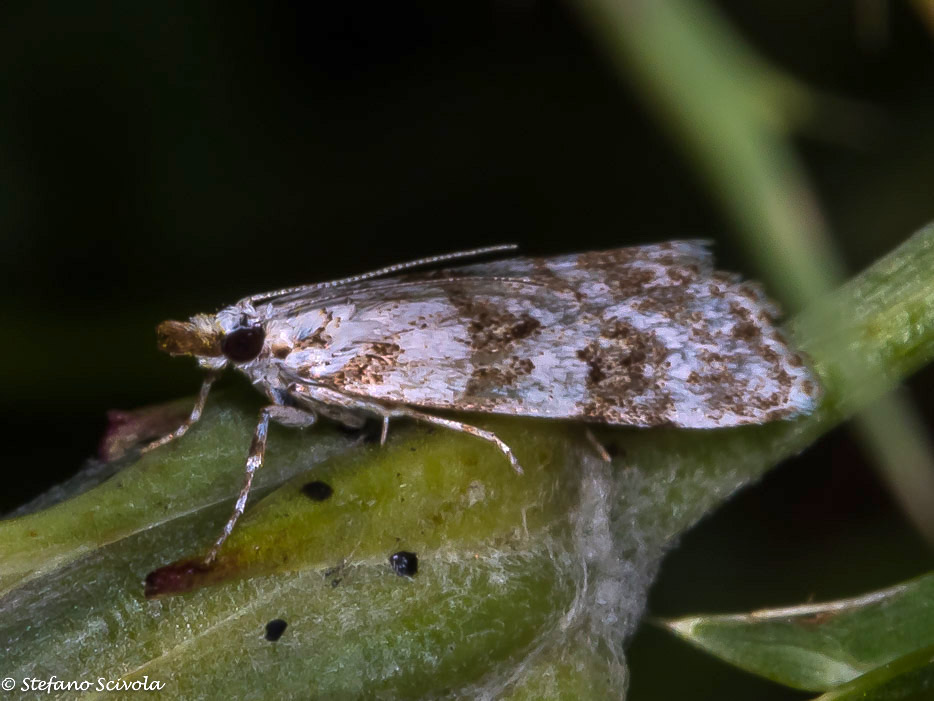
(274, 629)
(317, 490)
(404, 563)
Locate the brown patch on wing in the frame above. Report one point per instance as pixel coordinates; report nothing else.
(618, 256)
(746, 331)
(280, 350)
(718, 383)
(317, 338)
(627, 273)
(368, 366)
(491, 329)
(725, 396)
(625, 376)
(487, 379)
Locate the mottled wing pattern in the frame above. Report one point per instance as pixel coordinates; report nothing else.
(641, 336)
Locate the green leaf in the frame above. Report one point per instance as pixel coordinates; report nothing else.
(527, 585)
(819, 647)
(909, 678)
(156, 490)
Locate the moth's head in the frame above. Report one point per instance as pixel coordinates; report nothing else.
(214, 340)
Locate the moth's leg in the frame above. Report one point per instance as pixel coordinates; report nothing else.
(459, 426)
(192, 418)
(597, 445)
(385, 432)
(350, 419)
(324, 396)
(291, 417)
(285, 415)
(344, 412)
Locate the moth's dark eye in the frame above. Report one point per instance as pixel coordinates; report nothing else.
(242, 345)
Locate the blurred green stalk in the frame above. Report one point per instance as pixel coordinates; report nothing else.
(734, 114)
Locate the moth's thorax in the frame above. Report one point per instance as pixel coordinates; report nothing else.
(238, 315)
(293, 343)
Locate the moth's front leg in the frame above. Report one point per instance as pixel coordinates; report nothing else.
(286, 416)
(192, 419)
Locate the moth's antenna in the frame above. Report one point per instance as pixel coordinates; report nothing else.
(388, 270)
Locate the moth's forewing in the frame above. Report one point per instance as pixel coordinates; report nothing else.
(638, 336)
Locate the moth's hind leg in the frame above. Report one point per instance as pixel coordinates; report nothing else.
(343, 410)
(284, 415)
(323, 397)
(458, 426)
(597, 445)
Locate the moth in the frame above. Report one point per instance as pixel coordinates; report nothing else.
(641, 336)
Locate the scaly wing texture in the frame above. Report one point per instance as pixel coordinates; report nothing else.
(641, 336)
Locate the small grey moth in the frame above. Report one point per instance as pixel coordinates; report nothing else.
(641, 336)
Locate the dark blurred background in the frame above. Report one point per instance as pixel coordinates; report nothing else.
(158, 160)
